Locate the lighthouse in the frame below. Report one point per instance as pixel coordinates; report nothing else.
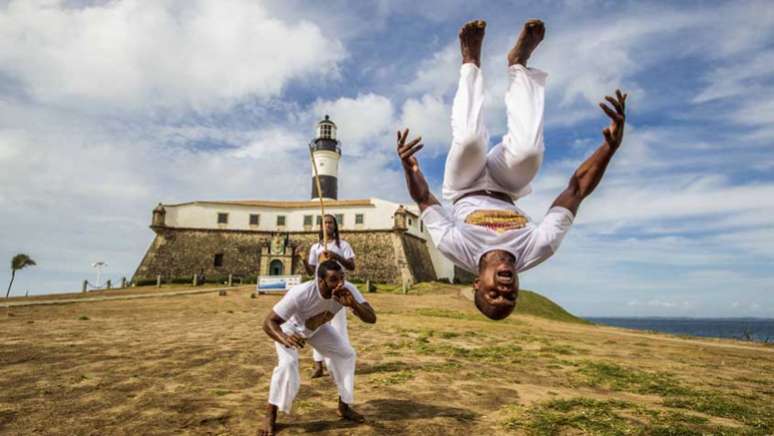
(326, 154)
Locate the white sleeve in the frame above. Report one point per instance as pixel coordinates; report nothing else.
(448, 238)
(355, 293)
(346, 249)
(547, 237)
(313, 255)
(288, 305)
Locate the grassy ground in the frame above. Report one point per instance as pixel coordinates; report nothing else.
(200, 364)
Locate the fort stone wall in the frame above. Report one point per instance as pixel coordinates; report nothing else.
(383, 256)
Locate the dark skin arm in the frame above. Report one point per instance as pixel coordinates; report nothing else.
(589, 174)
(299, 251)
(271, 325)
(364, 311)
(349, 264)
(417, 185)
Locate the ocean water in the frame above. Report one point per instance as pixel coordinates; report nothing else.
(751, 329)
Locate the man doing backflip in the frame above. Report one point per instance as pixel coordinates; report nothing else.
(484, 232)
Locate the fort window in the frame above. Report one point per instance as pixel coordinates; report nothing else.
(255, 219)
(410, 222)
(217, 261)
(340, 219)
(222, 218)
(319, 220)
(280, 220)
(359, 218)
(421, 226)
(307, 220)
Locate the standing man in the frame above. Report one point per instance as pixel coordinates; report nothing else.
(340, 251)
(484, 232)
(302, 315)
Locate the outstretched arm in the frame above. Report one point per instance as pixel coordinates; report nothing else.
(588, 175)
(417, 185)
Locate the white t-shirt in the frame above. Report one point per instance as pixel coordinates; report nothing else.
(481, 224)
(343, 249)
(305, 310)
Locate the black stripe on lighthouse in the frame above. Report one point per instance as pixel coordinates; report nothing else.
(329, 186)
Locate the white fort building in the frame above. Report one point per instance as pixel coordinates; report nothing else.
(256, 237)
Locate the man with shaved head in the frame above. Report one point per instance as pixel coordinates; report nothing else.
(484, 232)
(303, 315)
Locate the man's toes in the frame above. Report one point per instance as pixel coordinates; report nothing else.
(472, 27)
(534, 24)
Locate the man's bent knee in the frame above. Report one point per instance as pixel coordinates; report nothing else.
(470, 141)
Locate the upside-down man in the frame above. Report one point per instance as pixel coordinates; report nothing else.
(484, 232)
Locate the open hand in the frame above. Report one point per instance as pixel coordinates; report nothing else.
(294, 341)
(406, 151)
(614, 133)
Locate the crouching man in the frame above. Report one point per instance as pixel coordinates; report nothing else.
(303, 315)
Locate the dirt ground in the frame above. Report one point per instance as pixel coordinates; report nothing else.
(200, 364)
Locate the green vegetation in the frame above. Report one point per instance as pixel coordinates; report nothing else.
(612, 376)
(584, 415)
(446, 313)
(531, 303)
(605, 417)
(757, 414)
(559, 349)
(748, 409)
(394, 378)
(423, 345)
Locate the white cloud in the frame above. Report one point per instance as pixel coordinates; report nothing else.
(131, 54)
(438, 74)
(428, 117)
(274, 140)
(367, 120)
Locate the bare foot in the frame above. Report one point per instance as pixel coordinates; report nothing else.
(471, 40)
(269, 422)
(319, 370)
(347, 413)
(529, 38)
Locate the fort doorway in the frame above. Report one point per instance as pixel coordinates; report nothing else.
(276, 268)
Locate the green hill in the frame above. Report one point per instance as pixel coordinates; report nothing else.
(532, 303)
(529, 303)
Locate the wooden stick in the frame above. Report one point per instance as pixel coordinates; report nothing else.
(319, 195)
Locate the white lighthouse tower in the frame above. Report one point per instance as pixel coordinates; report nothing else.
(326, 153)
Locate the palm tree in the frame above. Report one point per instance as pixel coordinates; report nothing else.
(18, 262)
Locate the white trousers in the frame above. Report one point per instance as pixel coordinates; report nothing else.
(339, 323)
(339, 356)
(511, 165)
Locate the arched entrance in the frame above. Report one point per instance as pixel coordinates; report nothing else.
(276, 268)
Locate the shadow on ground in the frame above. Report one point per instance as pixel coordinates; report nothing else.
(386, 410)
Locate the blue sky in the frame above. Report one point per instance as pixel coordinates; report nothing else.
(107, 108)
